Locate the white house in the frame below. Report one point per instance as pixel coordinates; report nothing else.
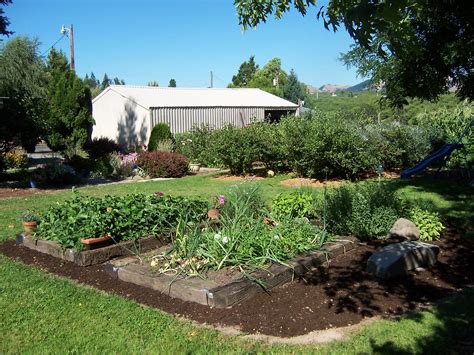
(127, 114)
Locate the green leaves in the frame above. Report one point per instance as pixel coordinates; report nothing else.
(428, 223)
(122, 217)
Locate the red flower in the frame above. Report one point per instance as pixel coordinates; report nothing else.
(159, 193)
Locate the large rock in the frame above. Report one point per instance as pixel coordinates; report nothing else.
(399, 258)
(404, 229)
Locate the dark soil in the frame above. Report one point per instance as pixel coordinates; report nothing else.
(332, 296)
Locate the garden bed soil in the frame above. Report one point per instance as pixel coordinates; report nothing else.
(226, 287)
(337, 295)
(7, 192)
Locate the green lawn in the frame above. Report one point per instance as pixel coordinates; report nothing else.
(43, 313)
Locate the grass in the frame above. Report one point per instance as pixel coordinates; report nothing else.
(44, 313)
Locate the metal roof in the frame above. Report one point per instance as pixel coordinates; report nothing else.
(150, 96)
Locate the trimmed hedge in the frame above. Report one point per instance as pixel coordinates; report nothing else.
(160, 133)
(163, 164)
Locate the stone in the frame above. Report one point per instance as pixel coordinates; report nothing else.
(404, 229)
(399, 258)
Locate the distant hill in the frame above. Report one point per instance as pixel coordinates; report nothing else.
(363, 86)
(332, 88)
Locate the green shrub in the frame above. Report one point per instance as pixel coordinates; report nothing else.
(160, 133)
(14, 159)
(428, 223)
(396, 145)
(56, 174)
(325, 145)
(197, 146)
(365, 210)
(237, 148)
(122, 217)
(101, 147)
(163, 164)
(295, 204)
(450, 123)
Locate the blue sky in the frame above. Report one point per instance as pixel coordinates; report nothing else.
(145, 40)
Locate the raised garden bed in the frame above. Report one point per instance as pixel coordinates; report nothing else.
(217, 294)
(89, 257)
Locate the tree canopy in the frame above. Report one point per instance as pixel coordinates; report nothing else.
(418, 48)
(172, 83)
(246, 72)
(23, 82)
(4, 22)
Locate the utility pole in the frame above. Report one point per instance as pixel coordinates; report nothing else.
(71, 46)
(212, 81)
(64, 31)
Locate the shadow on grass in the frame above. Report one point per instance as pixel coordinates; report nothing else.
(453, 330)
(453, 198)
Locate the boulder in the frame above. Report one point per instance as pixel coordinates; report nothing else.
(404, 229)
(399, 258)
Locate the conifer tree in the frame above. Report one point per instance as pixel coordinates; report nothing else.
(69, 124)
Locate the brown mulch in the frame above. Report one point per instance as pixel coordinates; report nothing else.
(7, 192)
(238, 178)
(299, 182)
(334, 296)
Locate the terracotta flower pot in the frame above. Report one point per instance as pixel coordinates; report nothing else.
(95, 243)
(29, 227)
(213, 213)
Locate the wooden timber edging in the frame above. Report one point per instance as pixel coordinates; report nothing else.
(207, 292)
(89, 257)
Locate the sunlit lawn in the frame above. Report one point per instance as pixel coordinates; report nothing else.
(43, 313)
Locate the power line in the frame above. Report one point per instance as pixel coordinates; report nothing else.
(46, 51)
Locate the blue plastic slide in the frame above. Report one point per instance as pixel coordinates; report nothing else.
(444, 152)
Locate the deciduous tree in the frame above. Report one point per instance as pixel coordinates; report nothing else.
(23, 87)
(419, 48)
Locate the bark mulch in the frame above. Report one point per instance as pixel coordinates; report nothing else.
(339, 294)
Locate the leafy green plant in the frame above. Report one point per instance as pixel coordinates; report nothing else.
(197, 146)
(242, 238)
(365, 210)
(29, 216)
(294, 204)
(428, 223)
(123, 217)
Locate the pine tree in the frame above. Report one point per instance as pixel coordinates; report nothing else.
(93, 81)
(293, 90)
(69, 124)
(105, 82)
(172, 83)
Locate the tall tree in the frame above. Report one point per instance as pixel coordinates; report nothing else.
(4, 22)
(105, 82)
(419, 46)
(293, 90)
(23, 88)
(245, 74)
(153, 83)
(69, 124)
(270, 78)
(172, 83)
(93, 82)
